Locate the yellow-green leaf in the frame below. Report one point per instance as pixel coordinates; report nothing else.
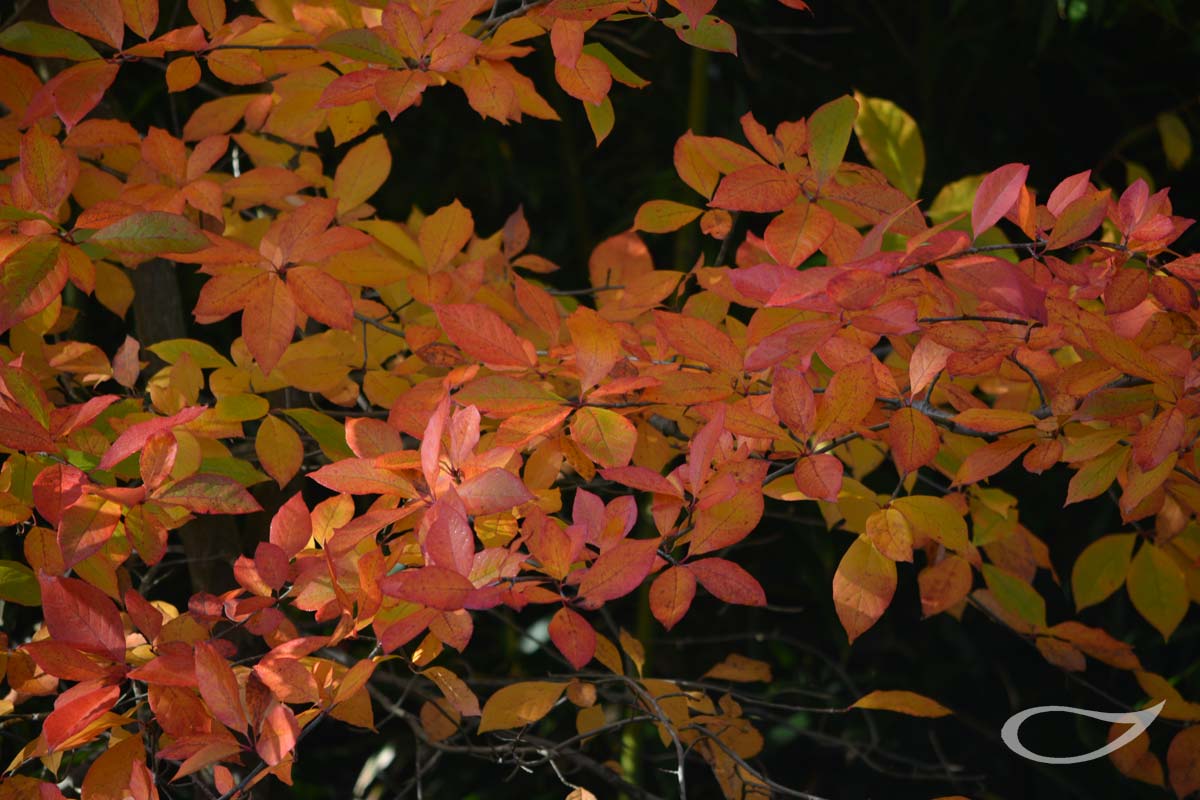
(18, 584)
(828, 136)
(1016, 595)
(46, 41)
(1158, 589)
(1176, 141)
(664, 216)
(934, 518)
(892, 142)
(604, 435)
(1101, 568)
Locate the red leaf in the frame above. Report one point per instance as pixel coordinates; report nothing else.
(728, 582)
(77, 712)
(1079, 219)
(134, 438)
(760, 187)
(997, 194)
(321, 296)
(278, 735)
(433, 587)
(481, 334)
(671, 595)
(574, 637)
(80, 615)
(820, 476)
(618, 571)
(219, 687)
(291, 527)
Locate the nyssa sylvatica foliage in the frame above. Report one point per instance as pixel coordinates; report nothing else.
(470, 438)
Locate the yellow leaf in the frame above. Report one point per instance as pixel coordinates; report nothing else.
(519, 704)
(1176, 141)
(1158, 589)
(113, 288)
(902, 702)
(361, 173)
(740, 669)
(892, 142)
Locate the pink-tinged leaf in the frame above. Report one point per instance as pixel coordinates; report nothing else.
(728, 582)
(291, 527)
(927, 360)
(433, 587)
(999, 282)
(618, 571)
(671, 595)
(820, 476)
(863, 587)
(209, 494)
(80, 615)
(1159, 439)
(219, 687)
(493, 491)
(72, 713)
(431, 442)
(643, 479)
(574, 637)
(134, 438)
(760, 188)
(1079, 219)
(86, 527)
(278, 734)
(1069, 190)
(701, 448)
(482, 335)
(996, 196)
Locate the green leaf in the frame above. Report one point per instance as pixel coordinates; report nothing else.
(327, 431)
(363, 45)
(828, 136)
(18, 584)
(1176, 141)
(954, 198)
(151, 233)
(1016, 595)
(711, 34)
(46, 41)
(241, 471)
(892, 142)
(601, 117)
(620, 72)
(1158, 589)
(1100, 569)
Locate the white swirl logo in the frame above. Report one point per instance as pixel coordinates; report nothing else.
(1137, 721)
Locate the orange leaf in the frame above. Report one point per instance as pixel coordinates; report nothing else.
(728, 582)
(573, 636)
(797, 233)
(431, 586)
(219, 687)
(819, 476)
(902, 702)
(604, 435)
(99, 19)
(863, 587)
(699, 340)
(519, 704)
(671, 595)
(618, 571)
(944, 584)
(759, 188)
(269, 322)
(849, 397)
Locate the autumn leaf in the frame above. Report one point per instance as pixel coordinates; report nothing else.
(519, 704)
(902, 702)
(573, 636)
(862, 587)
(996, 196)
(671, 595)
(1157, 589)
(829, 130)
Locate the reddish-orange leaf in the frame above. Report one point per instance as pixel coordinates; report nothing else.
(1183, 761)
(321, 296)
(891, 534)
(726, 522)
(80, 615)
(85, 527)
(432, 586)
(157, 459)
(997, 194)
(618, 571)
(760, 187)
(574, 637)
(797, 233)
(597, 345)
(994, 456)
(219, 687)
(914, 439)
(481, 334)
(291, 527)
(1159, 439)
(863, 587)
(727, 582)
(361, 476)
(819, 476)
(99, 19)
(794, 401)
(269, 322)
(671, 595)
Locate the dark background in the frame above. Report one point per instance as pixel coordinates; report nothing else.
(1064, 85)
